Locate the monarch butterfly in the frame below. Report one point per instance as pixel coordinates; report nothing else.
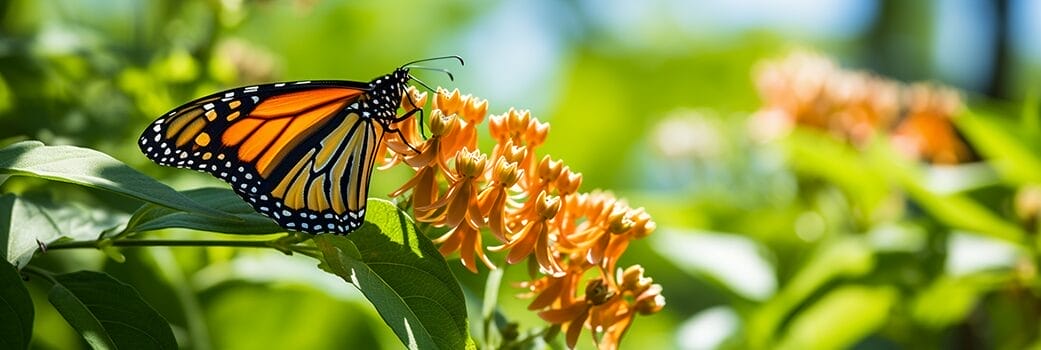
(298, 152)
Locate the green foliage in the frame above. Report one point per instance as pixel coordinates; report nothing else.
(397, 269)
(820, 244)
(848, 313)
(93, 169)
(17, 312)
(403, 272)
(243, 219)
(30, 224)
(109, 314)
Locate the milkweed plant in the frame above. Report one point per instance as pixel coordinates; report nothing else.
(490, 208)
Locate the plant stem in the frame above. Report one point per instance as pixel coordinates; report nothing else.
(161, 243)
(36, 271)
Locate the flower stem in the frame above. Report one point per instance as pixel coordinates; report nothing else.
(161, 243)
(36, 271)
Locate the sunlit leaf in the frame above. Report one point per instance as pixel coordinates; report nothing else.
(16, 310)
(404, 276)
(31, 224)
(953, 209)
(732, 260)
(845, 257)
(817, 155)
(243, 220)
(946, 301)
(109, 313)
(87, 167)
(840, 318)
(1003, 143)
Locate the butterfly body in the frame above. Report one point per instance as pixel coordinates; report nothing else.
(300, 152)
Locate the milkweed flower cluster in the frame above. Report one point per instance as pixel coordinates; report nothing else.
(531, 207)
(810, 90)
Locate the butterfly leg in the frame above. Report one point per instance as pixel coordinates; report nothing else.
(402, 118)
(414, 109)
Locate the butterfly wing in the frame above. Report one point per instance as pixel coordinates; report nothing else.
(300, 153)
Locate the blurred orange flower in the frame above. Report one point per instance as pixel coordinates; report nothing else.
(811, 91)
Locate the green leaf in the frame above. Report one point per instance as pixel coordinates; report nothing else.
(840, 318)
(1005, 144)
(947, 301)
(108, 313)
(293, 317)
(29, 223)
(94, 169)
(843, 257)
(243, 220)
(404, 276)
(953, 209)
(16, 310)
(819, 155)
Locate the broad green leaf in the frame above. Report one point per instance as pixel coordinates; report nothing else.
(29, 223)
(1003, 143)
(404, 276)
(844, 257)
(244, 219)
(840, 318)
(108, 313)
(953, 209)
(16, 310)
(818, 155)
(87, 167)
(949, 300)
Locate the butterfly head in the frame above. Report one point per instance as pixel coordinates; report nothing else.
(390, 87)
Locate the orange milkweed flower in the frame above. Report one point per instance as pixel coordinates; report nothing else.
(533, 208)
(494, 200)
(536, 236)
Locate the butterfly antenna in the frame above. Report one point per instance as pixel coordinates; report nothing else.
(421, 83)
(442, 70)
(455, 57)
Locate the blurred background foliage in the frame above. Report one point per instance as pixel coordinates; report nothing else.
(800, 240)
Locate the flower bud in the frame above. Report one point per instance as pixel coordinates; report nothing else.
(517, 121)
(652, 303)
(475, 110)
(618, 220)
(506, 173)
(549, 169)
(634, 281)
(470, 164)
(547, 206)
(497, 127)
(441, 124)
(536, 132)
(569, 181)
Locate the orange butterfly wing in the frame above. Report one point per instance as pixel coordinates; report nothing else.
(300, 153)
